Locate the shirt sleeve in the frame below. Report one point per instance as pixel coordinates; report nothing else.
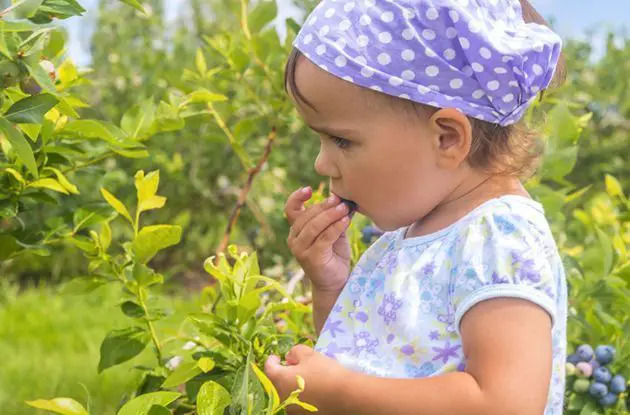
(502, 255)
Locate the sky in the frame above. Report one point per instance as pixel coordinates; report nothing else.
(572, 18)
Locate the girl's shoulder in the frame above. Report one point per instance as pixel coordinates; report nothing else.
(506, 216)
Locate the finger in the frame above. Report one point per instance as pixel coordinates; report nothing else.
(313, 229)
(312, 212)
(295, 203)
(298, 353)
(332, 233)
(273, 367)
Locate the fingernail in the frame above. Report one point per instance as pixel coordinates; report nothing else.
(341, 207)
(306, 189)
(331, 199)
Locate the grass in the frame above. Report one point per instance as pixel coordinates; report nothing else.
(49, 347)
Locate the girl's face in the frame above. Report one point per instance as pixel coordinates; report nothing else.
(387, 160)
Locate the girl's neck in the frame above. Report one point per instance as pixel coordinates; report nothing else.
(472, 192)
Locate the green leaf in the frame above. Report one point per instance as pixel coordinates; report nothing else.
(613, 187)
(106, 235)
(200, 62)
(94, 129)
(39, 74)
(206, 364)
(21, 25)
(264, 12)
(182, 374)
(49, 183)
(131, 309)
(122, 345)
(67, 72)
(82, 285)
(203, 95)
(20, 145)
(212, 399)
(116, 204)
(590, 409)
(64, 406)
(26, 8)
(16, 174)
(274, 398)
(155, 202)
(143, 403)
(138, 120)
(146, 186)
(607, 250)
(132, 154)
(152, 239)
(8, 245)
(135, 4)
(31, 109)
(63, 180)
(159, 410)
(145, 276)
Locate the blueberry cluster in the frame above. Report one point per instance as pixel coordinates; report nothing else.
(590, 374)
(369, 233)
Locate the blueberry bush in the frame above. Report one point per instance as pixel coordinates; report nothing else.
(206, 114)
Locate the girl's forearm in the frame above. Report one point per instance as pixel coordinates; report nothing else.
(452, 393)
(323, 302)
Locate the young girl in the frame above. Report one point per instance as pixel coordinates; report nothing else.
(460, 306)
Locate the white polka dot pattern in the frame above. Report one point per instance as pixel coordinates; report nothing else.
(478, 56)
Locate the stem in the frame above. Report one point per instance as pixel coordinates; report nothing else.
(244, 191)
(89, 163)
(154, 338)
(241, 201)
(7, 10)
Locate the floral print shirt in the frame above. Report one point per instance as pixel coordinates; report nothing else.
(400, 310)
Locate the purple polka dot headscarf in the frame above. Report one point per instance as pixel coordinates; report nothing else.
(478, 56)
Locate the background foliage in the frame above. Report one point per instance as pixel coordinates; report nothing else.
(203, 103)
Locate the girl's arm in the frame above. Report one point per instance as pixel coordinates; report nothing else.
(508, 347)
(323, 302)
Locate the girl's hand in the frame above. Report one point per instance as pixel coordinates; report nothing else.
(324, 379)
(318, 241)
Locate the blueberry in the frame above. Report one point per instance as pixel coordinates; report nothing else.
(602, 375)
(598, 390)
(604, 354)
(583, 370)
(573, 358)
(581, 385)
(594, 364)
(351, 205)
(30, 86)
(584, 352)
(608, 400)
(618, 384)
(569, 369)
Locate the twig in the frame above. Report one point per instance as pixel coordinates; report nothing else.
(244, 191)
(293, 282)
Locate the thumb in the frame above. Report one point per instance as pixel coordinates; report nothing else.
(273, 368)
(298, 353)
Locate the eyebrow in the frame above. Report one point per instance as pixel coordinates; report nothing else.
(331, 131)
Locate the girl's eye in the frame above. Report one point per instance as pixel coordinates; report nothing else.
(340, 142)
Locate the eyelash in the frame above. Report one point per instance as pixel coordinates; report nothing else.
(342, 143)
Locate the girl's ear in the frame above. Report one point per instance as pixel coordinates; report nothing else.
(452, 137)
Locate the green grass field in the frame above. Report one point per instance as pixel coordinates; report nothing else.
(49, 347)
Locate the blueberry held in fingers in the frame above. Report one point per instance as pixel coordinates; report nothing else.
(352, 207)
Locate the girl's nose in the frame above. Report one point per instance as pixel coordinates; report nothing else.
(323, 164)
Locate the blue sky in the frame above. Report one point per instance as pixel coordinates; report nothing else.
(572, 19)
